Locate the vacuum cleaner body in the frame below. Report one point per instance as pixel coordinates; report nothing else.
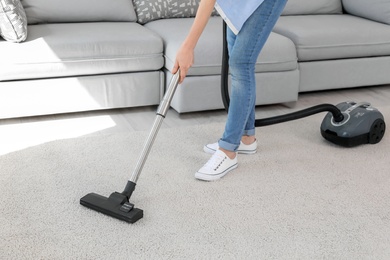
(362, 124)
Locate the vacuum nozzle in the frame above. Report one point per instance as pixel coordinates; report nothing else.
(117, 205)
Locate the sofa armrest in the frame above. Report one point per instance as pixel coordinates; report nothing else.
(376, 10)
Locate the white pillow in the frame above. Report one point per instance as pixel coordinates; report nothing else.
(376, 10)
(13, 21)
(306, 7)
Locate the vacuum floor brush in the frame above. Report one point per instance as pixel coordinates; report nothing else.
(117, 205)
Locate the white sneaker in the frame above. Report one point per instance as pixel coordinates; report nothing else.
(218, 165)
(242, 149)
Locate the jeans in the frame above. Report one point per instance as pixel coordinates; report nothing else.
(244, 49)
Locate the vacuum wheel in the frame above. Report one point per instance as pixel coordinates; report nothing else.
(377, 131)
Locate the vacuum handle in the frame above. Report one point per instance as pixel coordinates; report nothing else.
(161, 113)
(166, 101)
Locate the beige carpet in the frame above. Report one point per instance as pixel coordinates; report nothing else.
(299, 197)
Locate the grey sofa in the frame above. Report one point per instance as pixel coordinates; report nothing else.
(89, 55)
(316, 45)
(79, 56)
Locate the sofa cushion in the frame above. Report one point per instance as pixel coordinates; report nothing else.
(59, 11)
(325, 37)
(279, 53)
(13, 21)
(376, 10)
(151, 10)
(302, 7)
(58, 50)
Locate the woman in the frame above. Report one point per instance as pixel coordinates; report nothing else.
(250, 22)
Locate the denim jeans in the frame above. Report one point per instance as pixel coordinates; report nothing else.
(244, 49)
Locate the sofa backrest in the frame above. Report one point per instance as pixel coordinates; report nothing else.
(63, 11)
(303, 7)
(376, 10)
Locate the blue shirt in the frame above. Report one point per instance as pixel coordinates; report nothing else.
(236, 12)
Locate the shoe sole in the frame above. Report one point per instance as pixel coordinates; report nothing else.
(212, 151)
(214, 177)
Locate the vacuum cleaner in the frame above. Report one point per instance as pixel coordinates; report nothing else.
(347, 124)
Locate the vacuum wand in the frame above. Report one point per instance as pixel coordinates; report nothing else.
(161, 113)
(117, 205)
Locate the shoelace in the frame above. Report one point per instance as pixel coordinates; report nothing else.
(215, 161)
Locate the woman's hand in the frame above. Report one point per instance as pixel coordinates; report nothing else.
(184, 61)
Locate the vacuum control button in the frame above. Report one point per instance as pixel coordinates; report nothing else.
(126, 207)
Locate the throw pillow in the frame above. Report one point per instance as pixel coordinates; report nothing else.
(13, 21)
(150, 10)
(376, 10)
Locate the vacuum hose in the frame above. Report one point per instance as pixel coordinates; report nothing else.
(337, 115)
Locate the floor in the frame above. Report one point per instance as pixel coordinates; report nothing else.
(20, 133)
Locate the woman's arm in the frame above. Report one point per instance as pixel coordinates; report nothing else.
(185, 55)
